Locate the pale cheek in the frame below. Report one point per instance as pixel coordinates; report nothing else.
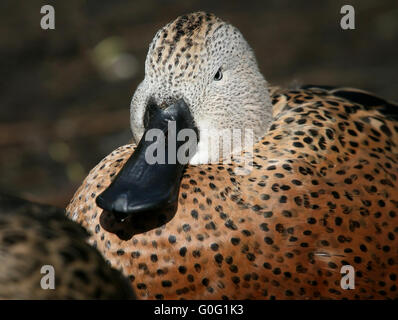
(203, 150)
(202, 154)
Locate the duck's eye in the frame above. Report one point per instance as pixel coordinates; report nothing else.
(218, 75)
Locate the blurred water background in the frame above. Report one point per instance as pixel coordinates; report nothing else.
(65, 93)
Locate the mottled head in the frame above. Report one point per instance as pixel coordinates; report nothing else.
(208, 63)
(200, 74)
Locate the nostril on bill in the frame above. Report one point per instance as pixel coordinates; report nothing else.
(151, 109)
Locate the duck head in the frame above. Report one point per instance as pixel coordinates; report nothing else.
(201, 74)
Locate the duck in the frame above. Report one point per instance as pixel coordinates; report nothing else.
(317, 195)
(44, 255)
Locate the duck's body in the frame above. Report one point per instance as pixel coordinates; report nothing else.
(38, 241)
(322, 193)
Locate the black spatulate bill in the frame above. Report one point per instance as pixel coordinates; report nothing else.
(141, 188)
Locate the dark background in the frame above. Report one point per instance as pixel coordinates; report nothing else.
(65, 93)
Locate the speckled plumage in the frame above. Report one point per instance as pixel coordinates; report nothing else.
(322, 193)
(34, 235)
(192, 49)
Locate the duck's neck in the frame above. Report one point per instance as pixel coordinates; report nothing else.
(217, 145)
